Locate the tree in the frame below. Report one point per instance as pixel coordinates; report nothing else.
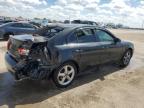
(36, 18)
(119, 26)
(66, 21)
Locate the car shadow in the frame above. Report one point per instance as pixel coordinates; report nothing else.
(23, 92)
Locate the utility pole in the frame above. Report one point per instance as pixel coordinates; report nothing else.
(142, 24)
(69, 20)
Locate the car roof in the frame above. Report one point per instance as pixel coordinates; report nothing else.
(67, 27)
(72, 26)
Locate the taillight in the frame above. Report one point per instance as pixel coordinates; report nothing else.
(23, 51)
(9, 43)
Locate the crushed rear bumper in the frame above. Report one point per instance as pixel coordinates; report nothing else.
(11, 65)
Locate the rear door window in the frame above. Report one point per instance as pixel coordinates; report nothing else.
(86, 35)
(72, 38)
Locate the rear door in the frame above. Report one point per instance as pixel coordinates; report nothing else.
(88, 49)
(112, 50)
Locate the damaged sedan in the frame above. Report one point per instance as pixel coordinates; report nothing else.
(62, 51)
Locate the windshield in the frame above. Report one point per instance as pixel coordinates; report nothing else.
(49, 31)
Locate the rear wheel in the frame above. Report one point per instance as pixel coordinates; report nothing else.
(126, 58)
(64, 75)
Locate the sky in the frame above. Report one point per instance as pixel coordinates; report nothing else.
(128, 12)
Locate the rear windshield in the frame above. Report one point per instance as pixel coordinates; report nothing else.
(49, 31)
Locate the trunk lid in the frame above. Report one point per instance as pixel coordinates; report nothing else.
(23, 41)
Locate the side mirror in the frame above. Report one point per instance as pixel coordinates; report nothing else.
(117, 40)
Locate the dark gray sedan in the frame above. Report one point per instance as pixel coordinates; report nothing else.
(15, 28)
(61, 52)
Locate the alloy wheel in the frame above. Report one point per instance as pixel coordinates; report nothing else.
(66, 75)
(127, 57)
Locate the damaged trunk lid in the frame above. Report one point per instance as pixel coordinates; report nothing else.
(21, 45)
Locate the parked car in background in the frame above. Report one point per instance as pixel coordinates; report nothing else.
(15, 28)
(84, 22)
(61, 52)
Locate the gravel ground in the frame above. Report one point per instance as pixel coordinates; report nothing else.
(110, 87)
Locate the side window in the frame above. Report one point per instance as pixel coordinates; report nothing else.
(86, 35)
(88, 31)
(80, 33)
(17, 25)
(104, 36)
(27, 25)
(72, 38)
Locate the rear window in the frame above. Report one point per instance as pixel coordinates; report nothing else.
(49, 31)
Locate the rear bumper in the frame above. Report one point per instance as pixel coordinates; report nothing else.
(10, 62)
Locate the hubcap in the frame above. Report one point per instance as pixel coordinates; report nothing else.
(127, 57)
(66, 75)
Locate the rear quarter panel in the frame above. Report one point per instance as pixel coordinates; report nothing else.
(67, 53)
(61, 51)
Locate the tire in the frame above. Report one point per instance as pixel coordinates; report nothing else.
(126, 59)
(64, 75)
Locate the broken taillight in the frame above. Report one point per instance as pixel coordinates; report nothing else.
(23, 51)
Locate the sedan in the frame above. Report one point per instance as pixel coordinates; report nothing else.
(15, 28)
(61, 52)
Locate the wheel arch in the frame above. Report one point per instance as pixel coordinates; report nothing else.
(74, 62)
(67, 61)
(130, 50)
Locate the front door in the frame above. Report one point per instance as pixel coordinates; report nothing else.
(112, 50)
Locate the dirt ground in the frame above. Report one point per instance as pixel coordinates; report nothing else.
(109, 87)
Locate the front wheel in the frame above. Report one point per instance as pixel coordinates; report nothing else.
(126, 58)
(64, 75)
